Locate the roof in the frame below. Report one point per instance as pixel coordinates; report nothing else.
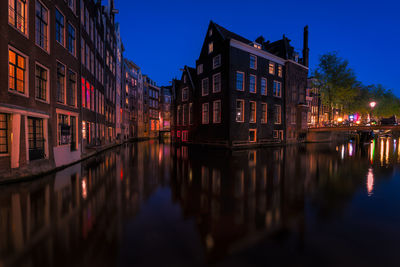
(230, 35)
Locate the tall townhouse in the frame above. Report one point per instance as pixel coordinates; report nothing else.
(39, 107)
(238, 95)
(153, 107)
(165, 108)
(130, 98)
(119, 86)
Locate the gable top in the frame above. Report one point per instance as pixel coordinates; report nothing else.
(226, 34)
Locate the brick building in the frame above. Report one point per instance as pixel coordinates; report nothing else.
(242, 93)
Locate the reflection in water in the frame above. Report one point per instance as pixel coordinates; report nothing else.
(152, 204)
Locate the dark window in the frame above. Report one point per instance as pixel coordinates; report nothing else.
(240, 81)
(64, 130)
(17, 70)
(71, 39)
(3, 133)
(60, 83)
(41, 25)
(59, 27)
(71, 88)
(41, 83)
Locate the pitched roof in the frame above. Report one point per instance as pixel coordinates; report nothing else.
(230, 35)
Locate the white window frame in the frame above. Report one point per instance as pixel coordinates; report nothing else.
(26, 26)
(215, 118)
(65, 85)
(48, 27)
(213, 82)
(243, 82)
(280, 89)
(65, 26)
(266, 86)
(255, 84)
(255, 62)
(215, 60)
(75, 45)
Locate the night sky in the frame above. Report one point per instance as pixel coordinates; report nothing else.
(162, 36)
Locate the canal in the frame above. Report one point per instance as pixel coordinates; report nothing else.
(153, 204)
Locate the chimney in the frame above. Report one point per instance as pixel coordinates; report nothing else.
(306, 50)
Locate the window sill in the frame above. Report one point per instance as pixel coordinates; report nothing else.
(42, 101)
(5, 155)
(18, 93)
(18, 30)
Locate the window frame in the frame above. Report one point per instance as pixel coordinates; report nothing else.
(69, 24)
(26, 18)
(65, 79)
(203, 121)
(255, 62)
(255, 135)
(47, 41)
(185, 89)
(255, 84)
(213, 82)
(271, 68)
(210, 47)
(69, 71)
(202, 87)
(280, 114)
(264, 113)
(275, 87)
(63, 28)
(217, 119)
(6, 130)
(199, 69)
(243, 81)
(47, 100)
(242, 110)
(251, 103)
(26, 72)
(217, 64)
(266, 86)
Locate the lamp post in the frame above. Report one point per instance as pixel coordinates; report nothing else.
(372, 104)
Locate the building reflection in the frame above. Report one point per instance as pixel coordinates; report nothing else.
(237, 198)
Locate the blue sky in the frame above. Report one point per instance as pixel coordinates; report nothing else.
(162, 36)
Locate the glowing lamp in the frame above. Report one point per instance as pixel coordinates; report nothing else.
(372, 104)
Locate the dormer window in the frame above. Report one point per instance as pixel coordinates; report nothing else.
(216, 61)
(200, 69)
(256, 45)
(210, 47)
(253, 62)
(210, 32)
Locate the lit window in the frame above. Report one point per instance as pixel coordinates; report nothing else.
(277, 114)
(42, 19)
(252, 135)
(264, 114)
(253, 84)
(239, 81)
(17, 11)
(210, 47)
(217, 83)
(204, 87)
(253, 62)
(216, 61)
(263, 86)
(83, 93)
(17, 72)
(277, 89)
(253, 112)
(217, 111)
(205, 113)
(280, 71)
(272, 68)
(4, 133)
(41, 76)
(60, 83)
(59, 27)
(240, 110)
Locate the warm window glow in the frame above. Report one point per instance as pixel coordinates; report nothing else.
(210, 47)
(240, 110)
(271, 68)
(205, 113)
(253, 112)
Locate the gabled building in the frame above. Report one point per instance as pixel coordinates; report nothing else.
(165, 109)
(244, 92)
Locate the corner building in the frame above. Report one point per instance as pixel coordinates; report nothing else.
(242, 92)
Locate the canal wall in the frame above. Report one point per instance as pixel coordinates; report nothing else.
(327, 137)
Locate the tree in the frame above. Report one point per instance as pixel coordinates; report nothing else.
(387, 104)
(336, 82)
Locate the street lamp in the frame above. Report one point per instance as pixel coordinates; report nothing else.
(372, 105)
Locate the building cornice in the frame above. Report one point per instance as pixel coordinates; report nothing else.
(256, 51)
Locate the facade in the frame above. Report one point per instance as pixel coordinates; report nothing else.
(60, 82)
(242, 93)
(165, 108)
(130, 100)
(151, 108)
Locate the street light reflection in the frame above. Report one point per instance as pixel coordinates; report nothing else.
(370, 182)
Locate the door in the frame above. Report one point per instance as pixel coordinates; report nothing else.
(35, 138)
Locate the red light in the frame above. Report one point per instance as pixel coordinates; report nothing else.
(122, 174)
